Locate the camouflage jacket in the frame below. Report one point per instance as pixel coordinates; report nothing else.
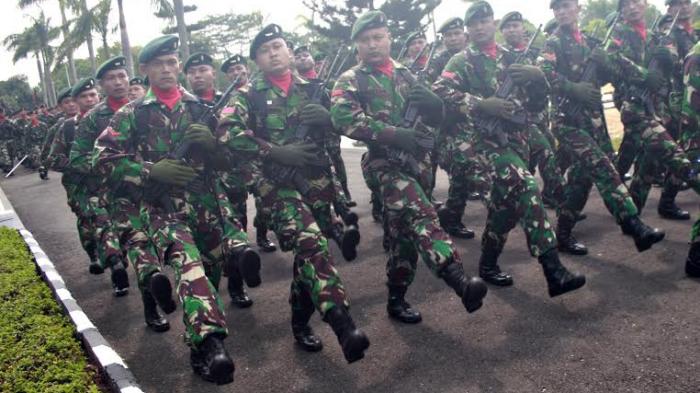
(438, 64)
(59, 152)
(7, 130)
(48, 141)
(690, 137)
(89, 128)
(684, 41)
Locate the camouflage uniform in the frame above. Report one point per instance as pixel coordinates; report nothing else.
(7, 134)
(690, 117)
(140, 134)
(36, 131)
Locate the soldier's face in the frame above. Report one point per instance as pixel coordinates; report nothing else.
(115, 84)
(235, 70)
(87, 99)
(374, 46)
(416, 47)
(455, 39)
(513, 32)
(566, 12)
(482, 30)
(304, 61)
(136, 92)
(68, 106)
(201, 78)
(633, 10)
(684, 8)
(162, 71)
(273, 57)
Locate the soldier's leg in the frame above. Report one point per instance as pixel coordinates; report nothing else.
(629, 150)
(109, 250)
(542, 155)
(369, 174)
(340, 170)
(261, 222)
(400, 272)
(450, 215)
(86, 229)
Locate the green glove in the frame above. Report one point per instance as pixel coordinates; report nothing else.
(200, 135)
(600, 57)
(495, 107)
(427, 101)
(315, 115)
(584, 93)
(663, 56)
(522, 74)
(654, 80)
(296, 155)
(405, 139)
(172, 172)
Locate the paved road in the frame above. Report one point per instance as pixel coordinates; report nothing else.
(633, 328)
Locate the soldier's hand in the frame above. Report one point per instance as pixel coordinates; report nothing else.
(427, 101)
(315, 115)
(495, 107)
(599, 56)
(200, 135)
(654, 80)
(405, 139)
(296, 155)
(663, 56)
(172, 172)
(522, 74)
(584, 93)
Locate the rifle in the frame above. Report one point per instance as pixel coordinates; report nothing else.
(494, 126)
(646, 96)
(589, 75)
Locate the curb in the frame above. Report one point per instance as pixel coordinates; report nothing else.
(111, 364)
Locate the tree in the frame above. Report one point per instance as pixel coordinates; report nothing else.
(15, 94)
(600, 9)
(126, 45)
(214, 34)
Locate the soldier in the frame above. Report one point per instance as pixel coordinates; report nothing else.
(143, 149)
(234, 67)
(563, 60)
(415, 45)
(367, 102)
(454, 39)
(7, 136)
(137, 88)
(68, 109)
(468, 85)
(261, 124)
(201, 76)
(85, 94)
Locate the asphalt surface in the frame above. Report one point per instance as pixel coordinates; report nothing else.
(632, 328)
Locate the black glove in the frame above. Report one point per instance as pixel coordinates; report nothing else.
(296, 155)
(405, 139)
(495, 107)
(663, 57)
(315, 115)
(584, 93)
(427, 101)
(522, 74)
(654, 80)
(172, 172)
(200, 135)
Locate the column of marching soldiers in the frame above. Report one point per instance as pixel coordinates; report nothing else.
(159, 176)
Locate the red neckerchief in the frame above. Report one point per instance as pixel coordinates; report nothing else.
(282, 82)
(490, 49)
(170, 97)
(422, 61)
(208, 95)
(35, 121)
(686, 26)
(576, 33)
(2, 118)
(519, 47)
(641, 29)
(310, 74)
(116, 104)
(387, 68)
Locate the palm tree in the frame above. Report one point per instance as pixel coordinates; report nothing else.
(126, 46)
(82, 28)
(182, 28)
(101, 15)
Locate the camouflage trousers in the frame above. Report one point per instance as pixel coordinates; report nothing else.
(369, 173)
(542, 157)
(591, 163)
(299, 223)
(515, 197)
(413, 228)
(79, 203)
(6, 160)
(339, 170)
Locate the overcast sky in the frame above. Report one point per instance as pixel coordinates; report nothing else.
(143, 26)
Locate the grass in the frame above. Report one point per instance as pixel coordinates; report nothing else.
(38, 348)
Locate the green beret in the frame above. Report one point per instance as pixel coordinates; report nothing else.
(268, 33)
(197, 59)
(115, 63)
(303, 48)
(368, 20)
(610, 18)
(232, 61)
(480, 9)
(63, 94)
(513, 16)
(414, 36)
(551, 26)
(452, 23)
(83, 85)
(552, 3)
(164, 45)
(136, 81)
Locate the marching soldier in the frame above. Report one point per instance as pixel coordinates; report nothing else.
(415, 45)
(7, 137)
(68, 109)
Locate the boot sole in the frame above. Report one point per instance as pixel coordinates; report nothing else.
(572, 285)
(267, 248)
(95, 269)
(356, 348)
(682, 217)
(408, 321)
(159, 328)
(221, 372)
(572, 251)
(308, 348)
(163, 292)
(351, 238)
(498, 282)
(250, 268)
(474, 294)
(646, 243)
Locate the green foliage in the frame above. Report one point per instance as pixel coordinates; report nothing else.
(599, 9)
(15, 94)
(38, 350)
(215, 36)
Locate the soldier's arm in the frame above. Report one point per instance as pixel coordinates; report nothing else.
(233, 131)
(691, 80)
(81, 148)
(452, 86)
(58, 154)
(627, 70)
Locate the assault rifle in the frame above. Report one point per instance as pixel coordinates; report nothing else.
(494, 126)
(646, 96)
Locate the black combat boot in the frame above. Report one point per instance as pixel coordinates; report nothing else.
(347, 239)
(398, 308)
(265, 244)
(644, 235)
(667, 205)
(154, 320)
(377, 207)
(159, 286)
(236, 291)
(581, 216)
(352, 340)
(247, 262)
(489, 270)
(95, 267)
(43, 173)
(559, 280)
(303, 334)
(211, 361)
(566, 241)
(692, 263)
(120, 278)
(349, 202)
(471, 290)
(451, 222)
